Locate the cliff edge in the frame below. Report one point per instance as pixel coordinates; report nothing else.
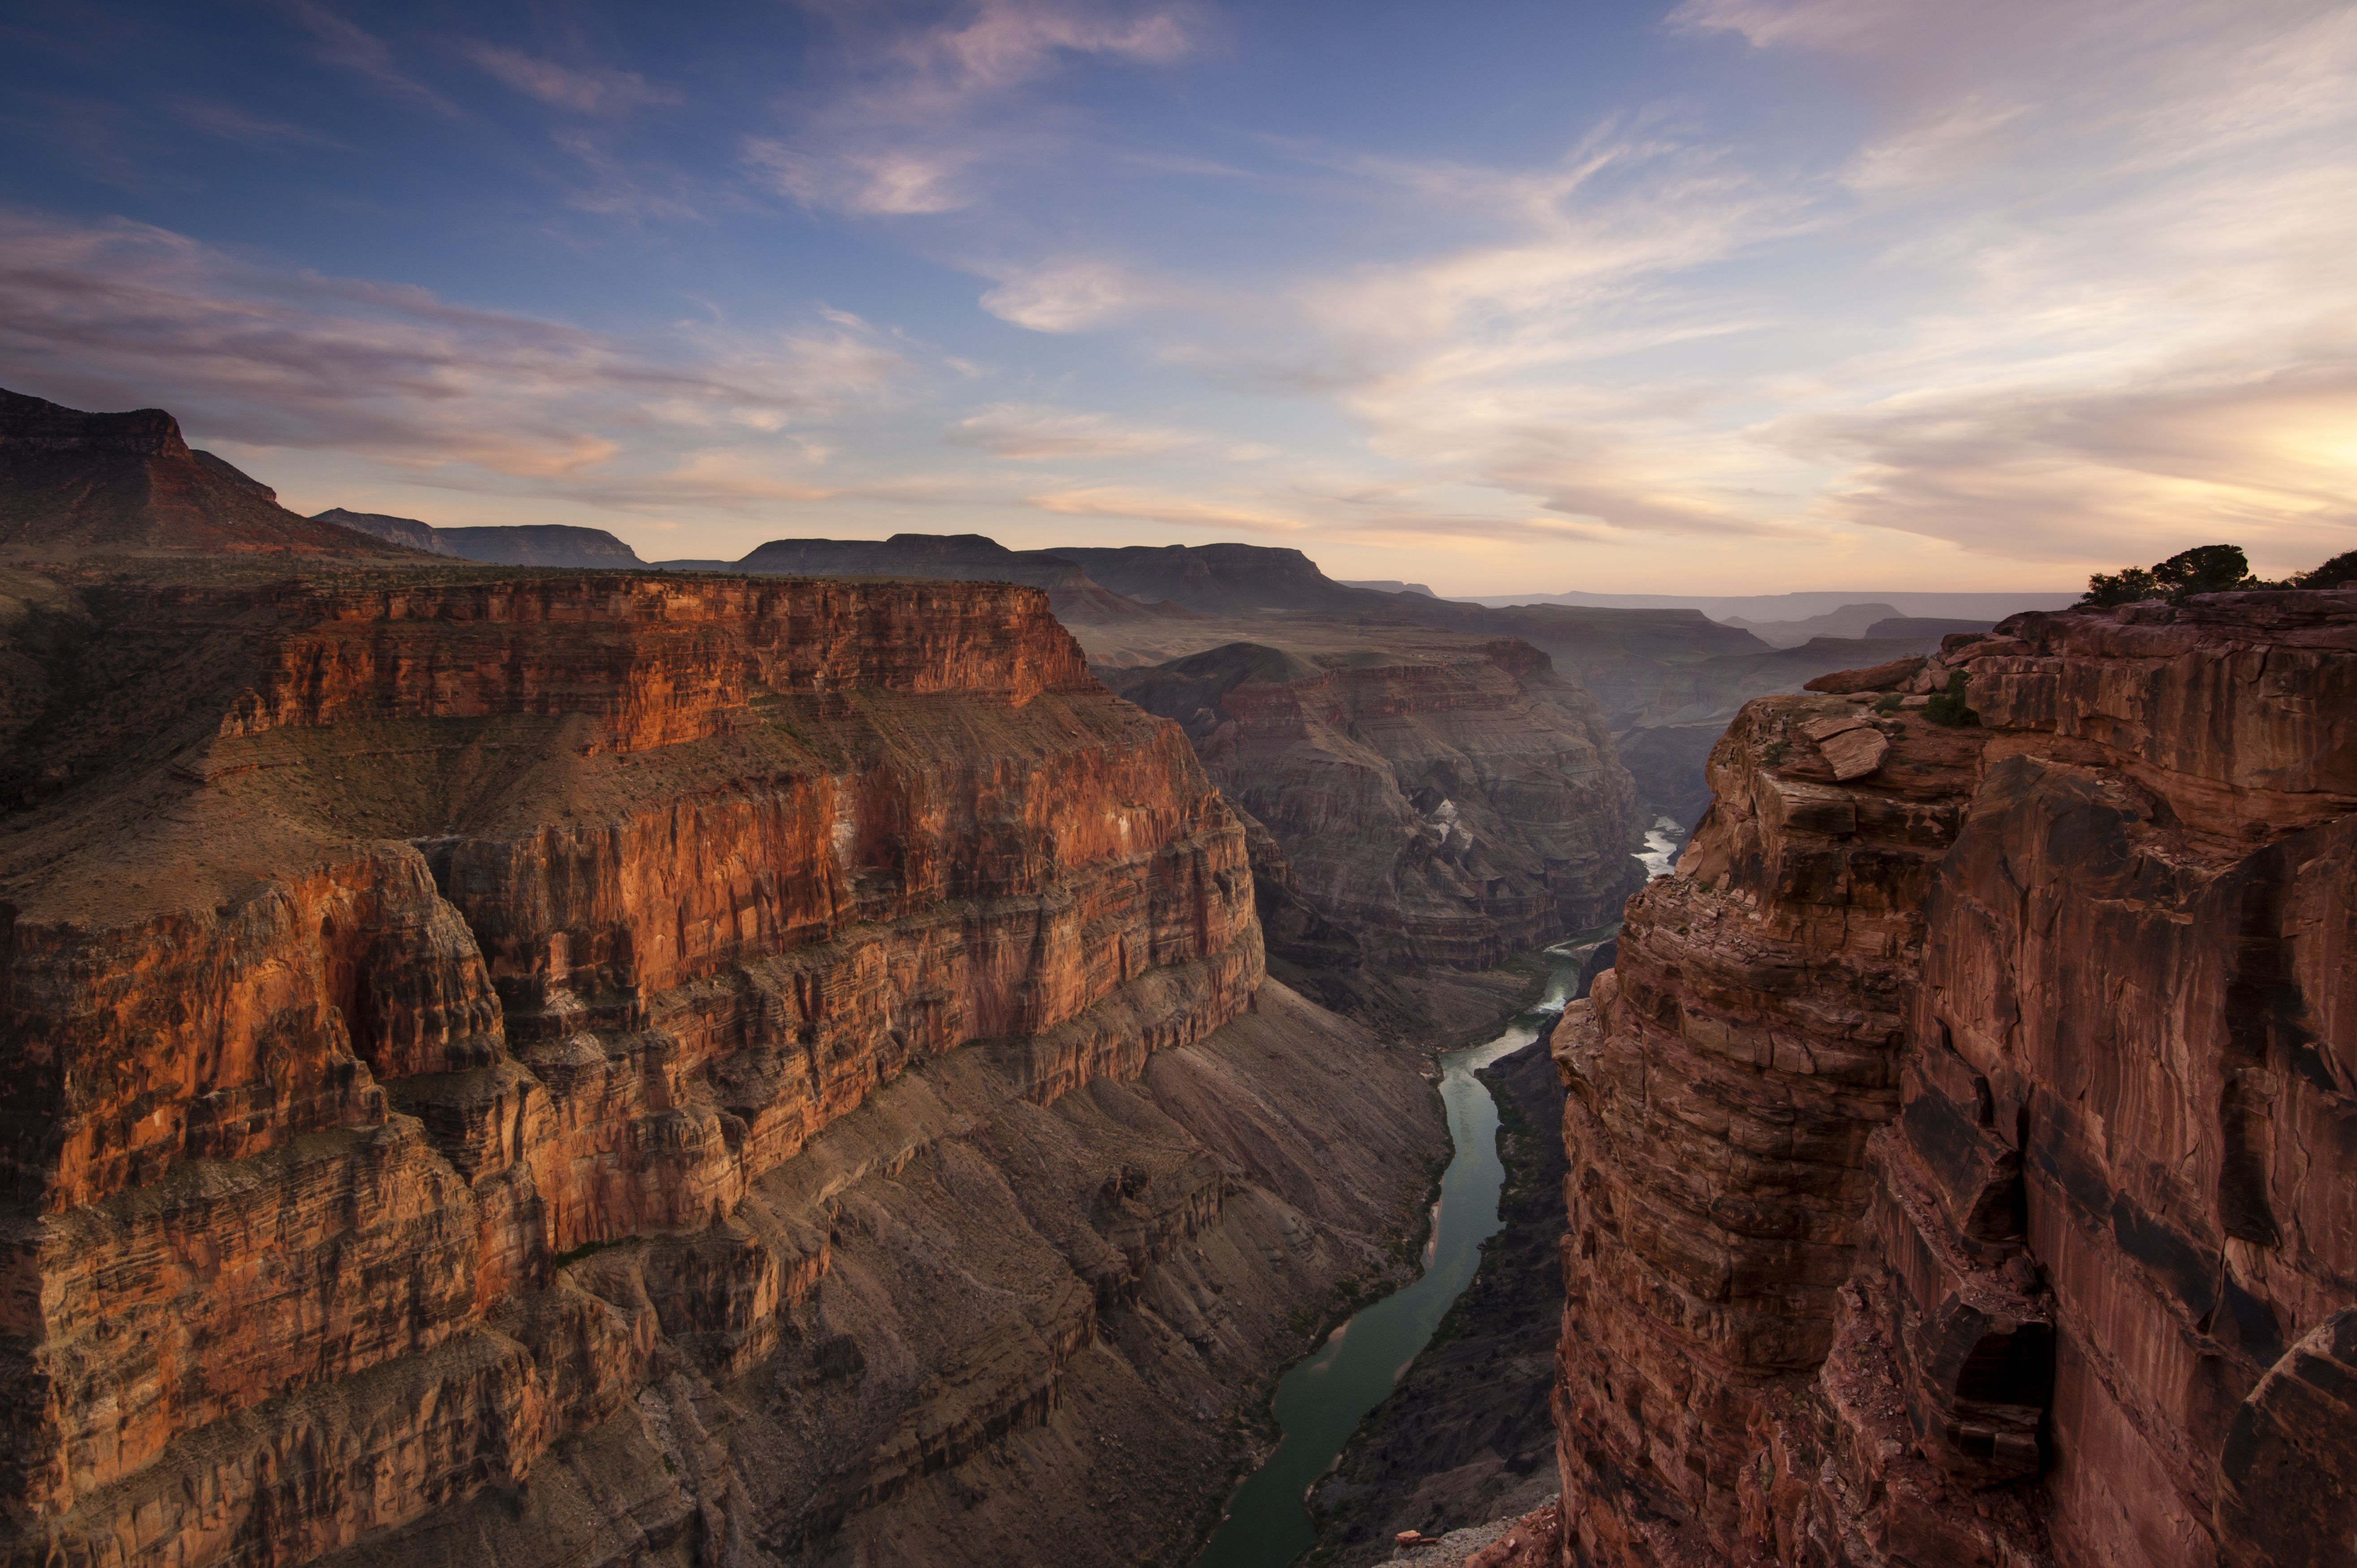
(1961, 1149)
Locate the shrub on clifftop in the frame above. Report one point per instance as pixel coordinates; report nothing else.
(2204, 569)
(2207, 569)
(2341, 572)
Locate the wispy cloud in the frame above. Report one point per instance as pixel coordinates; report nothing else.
(923, 113)
(345, 44)
(589, 90)
(2080, 288)
(1184, 510)
(113, 314)
(232, 123)
(1069, 295)
(886, 181)
(1030, 433)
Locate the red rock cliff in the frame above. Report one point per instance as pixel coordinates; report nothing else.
(369, 951)
(1963, 1150)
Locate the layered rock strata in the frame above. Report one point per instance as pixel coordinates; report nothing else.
(1962, 1144)
(1442, 802)
(422, 998)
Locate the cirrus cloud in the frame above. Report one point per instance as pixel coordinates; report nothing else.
(1032, 433)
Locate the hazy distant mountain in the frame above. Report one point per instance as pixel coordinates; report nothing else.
(956, 557)
(1667, 677)
(1387, 586)
(523, 544)
(1925, 626)
(404, 530)
(1989, 606)
(539, 545)
(1850, 620)
(1227, 579)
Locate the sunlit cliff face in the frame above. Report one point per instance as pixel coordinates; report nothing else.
(1757, 293)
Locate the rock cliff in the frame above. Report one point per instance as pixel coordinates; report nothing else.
(1434, 801)
(632, 1069)
(1962, 1147)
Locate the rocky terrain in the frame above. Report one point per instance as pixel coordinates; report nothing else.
(622, 1068)
(1961, 1145)
(1417, 802)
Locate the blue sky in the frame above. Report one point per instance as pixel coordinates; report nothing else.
(1730, 295)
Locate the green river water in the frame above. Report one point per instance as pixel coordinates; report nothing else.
(1320, 1402)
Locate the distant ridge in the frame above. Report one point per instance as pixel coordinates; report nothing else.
(1974, 605)
(403, 531)
(522, 544)
(955, 557)
(1849, 620)
(75, 484)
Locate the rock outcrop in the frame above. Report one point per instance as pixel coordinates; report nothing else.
(1436, 802)
(694, 1066)
(75, 484)
(1962, 1146)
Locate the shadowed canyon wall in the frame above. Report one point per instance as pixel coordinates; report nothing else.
(1421, 801)
(1961, 1150)
(704, 1068)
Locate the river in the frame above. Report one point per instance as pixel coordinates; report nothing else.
(1320, 1402)
(1663, 841)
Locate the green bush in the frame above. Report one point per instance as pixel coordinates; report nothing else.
(2204, 569)
(2129, 585)
(1947, 707)
(2341, 572)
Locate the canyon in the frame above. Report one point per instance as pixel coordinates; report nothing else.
(1960, 1147)
(1420, 806)
(623, 1067)
(883, 1051)
(1667, 680)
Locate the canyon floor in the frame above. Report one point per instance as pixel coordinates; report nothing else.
(1466, 1439)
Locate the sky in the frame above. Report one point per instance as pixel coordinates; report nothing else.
(1703, 296)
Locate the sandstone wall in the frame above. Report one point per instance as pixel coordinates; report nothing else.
(1962, 1147)
(480, 926)
(1443, 804)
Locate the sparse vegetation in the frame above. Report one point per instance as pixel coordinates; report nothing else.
(575, 1254)
(1949, 707)
(2341, 572)
(2204, 569)
(2207, 569)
